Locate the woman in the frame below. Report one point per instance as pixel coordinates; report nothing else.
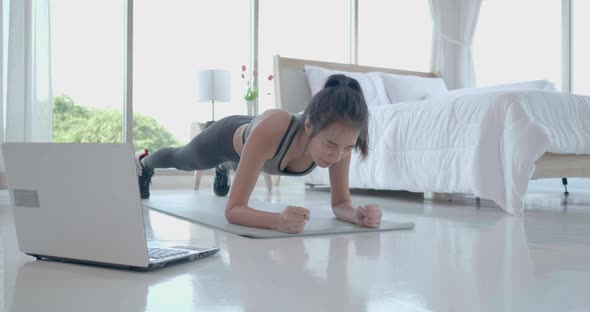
(280, 143)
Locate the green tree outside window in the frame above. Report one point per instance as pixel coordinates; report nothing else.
(74, 123)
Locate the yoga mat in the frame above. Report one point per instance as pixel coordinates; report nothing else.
(209, 210)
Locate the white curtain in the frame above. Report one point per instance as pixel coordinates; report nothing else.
(29, 101)
(454, 23)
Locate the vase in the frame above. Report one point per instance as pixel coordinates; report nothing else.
(251, 107)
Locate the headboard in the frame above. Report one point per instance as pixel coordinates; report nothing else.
(292, 91)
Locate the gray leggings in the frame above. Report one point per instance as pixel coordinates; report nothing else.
(214, 146)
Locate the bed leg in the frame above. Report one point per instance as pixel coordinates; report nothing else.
(564, 182)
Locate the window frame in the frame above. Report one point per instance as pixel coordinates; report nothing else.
(567, 47)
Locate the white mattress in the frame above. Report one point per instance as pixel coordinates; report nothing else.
(485, 144)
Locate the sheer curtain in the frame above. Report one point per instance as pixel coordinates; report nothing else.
(29, 102)
(454, 24)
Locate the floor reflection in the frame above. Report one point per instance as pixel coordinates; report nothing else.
(281, 274)
(67, 287)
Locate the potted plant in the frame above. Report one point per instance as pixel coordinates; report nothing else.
(251, 93)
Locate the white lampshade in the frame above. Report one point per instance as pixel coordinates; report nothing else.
(214, 85)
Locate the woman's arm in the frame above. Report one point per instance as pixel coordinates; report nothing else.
(368, 216)
(261, 145)
(340, 191)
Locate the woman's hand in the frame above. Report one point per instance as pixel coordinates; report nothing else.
(292, 220)
(368, 216)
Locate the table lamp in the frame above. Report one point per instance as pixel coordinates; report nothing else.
(213, 85)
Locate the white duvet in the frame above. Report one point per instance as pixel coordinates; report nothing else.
(485, 144)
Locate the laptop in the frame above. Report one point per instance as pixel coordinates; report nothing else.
(79, 202)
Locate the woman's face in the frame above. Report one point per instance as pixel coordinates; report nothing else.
(332, 144)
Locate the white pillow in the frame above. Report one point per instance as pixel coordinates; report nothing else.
(545, 85)
(370, 83)
(400, 88)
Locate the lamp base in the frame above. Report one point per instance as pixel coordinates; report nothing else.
(212, 110)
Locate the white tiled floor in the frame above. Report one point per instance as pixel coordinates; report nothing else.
(460, 257)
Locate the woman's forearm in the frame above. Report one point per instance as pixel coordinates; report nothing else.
(246, 216)
(345, 212)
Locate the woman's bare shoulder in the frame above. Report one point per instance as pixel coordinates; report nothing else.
(277, 115)
(267, 133)
(273, 120)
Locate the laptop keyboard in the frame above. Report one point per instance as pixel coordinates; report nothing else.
(159, 253)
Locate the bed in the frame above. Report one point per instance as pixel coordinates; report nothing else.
(536, 140)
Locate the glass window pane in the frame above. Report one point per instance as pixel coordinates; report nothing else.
(581, 48)
(5, 8)
(307, 29)
(87, 58)
(384, 39)
(171, 43)
(514, 43)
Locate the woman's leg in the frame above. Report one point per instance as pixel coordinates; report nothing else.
(202, 152)
(209, 149)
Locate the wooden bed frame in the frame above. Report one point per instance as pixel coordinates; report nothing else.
(292, 93)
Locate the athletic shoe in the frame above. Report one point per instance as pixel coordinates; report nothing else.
(145, 175)
(221, 182)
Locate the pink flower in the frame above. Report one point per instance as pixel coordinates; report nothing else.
(251, 90)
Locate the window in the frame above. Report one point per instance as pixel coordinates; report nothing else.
(5, 17)
(516, 43)
(171, 43)
(581, 47)
(87, 70)
(307, 29)
(395, 34)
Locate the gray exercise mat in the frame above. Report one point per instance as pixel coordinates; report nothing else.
(209, 209)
